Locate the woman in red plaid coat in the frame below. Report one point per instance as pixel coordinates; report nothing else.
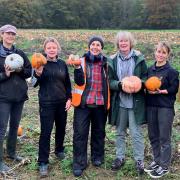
(91, 101)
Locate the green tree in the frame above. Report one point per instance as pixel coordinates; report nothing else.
(162, 13)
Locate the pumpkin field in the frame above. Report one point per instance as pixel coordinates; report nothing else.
(75, 42)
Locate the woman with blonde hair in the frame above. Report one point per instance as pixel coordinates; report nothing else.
(160, 110)
(127, 108)
(54, 102)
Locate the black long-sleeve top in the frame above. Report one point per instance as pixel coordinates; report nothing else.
(170, 81)
(54, 82)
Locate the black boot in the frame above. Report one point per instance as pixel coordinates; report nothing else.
(11, 149)
(3, 167)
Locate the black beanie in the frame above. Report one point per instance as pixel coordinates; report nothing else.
(96, 38)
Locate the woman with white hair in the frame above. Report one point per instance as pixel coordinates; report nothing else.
(14, 69)
(127, 108)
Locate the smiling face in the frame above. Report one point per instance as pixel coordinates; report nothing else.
(51, 49)
(8, 38)
(95, 48)
(161, 54)
(124, 46)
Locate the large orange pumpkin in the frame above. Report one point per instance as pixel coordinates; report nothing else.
(73, 60)
(153, 83)
(131, 84)
(38, 60)
(20, 131)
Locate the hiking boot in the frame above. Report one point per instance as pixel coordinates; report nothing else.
(140, 166)
(60, 155)
(4, 167)
(96, 163)
(117, 164)
(43, 170)
(159, 172)
(151, 167)
(77, 172)
(15, 158)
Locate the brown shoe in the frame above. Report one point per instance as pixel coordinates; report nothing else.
(117, 164)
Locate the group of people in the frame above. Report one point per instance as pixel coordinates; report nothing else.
(97, 96)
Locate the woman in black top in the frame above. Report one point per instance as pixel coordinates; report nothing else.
(13, 92)
(54, 101)
(160, 111)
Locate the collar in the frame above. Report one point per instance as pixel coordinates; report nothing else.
(5, 51)
(155, 68)
(129, 56)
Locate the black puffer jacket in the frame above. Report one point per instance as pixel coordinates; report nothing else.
(14, 88)
(170, 81)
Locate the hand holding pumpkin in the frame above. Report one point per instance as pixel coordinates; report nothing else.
(162, 91)
(8, 70)
(39, 70)
(74, 60)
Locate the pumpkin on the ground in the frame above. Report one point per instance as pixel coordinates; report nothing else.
(38, 60)
(20, 131)
(131, 84)
(73, 60)
(153, 83)
(14, 61)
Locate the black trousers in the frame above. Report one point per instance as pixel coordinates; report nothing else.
(83, 117)
(48, 115)
(160, 129)
(10, 112)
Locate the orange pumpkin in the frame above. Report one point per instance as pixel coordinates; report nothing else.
(153, 83)
(20, 131)
(131, 84)
(38, 60)
(73, 60)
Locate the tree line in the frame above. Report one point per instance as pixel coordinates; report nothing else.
(93, 14)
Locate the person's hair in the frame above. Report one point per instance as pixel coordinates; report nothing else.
(165, 45)
(51, 39)
(125, 35)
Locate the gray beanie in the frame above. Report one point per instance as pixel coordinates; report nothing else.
(96, 38)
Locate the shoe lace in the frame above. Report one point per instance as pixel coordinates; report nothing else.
(153, 164)
(159, 169)
(140, 164)
(119, 161)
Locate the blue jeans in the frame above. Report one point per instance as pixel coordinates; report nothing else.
(126, 117)
(10, 111)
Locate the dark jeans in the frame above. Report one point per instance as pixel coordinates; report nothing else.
(10, 111)
(160, 129)
(48, 115)
(83, 117)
